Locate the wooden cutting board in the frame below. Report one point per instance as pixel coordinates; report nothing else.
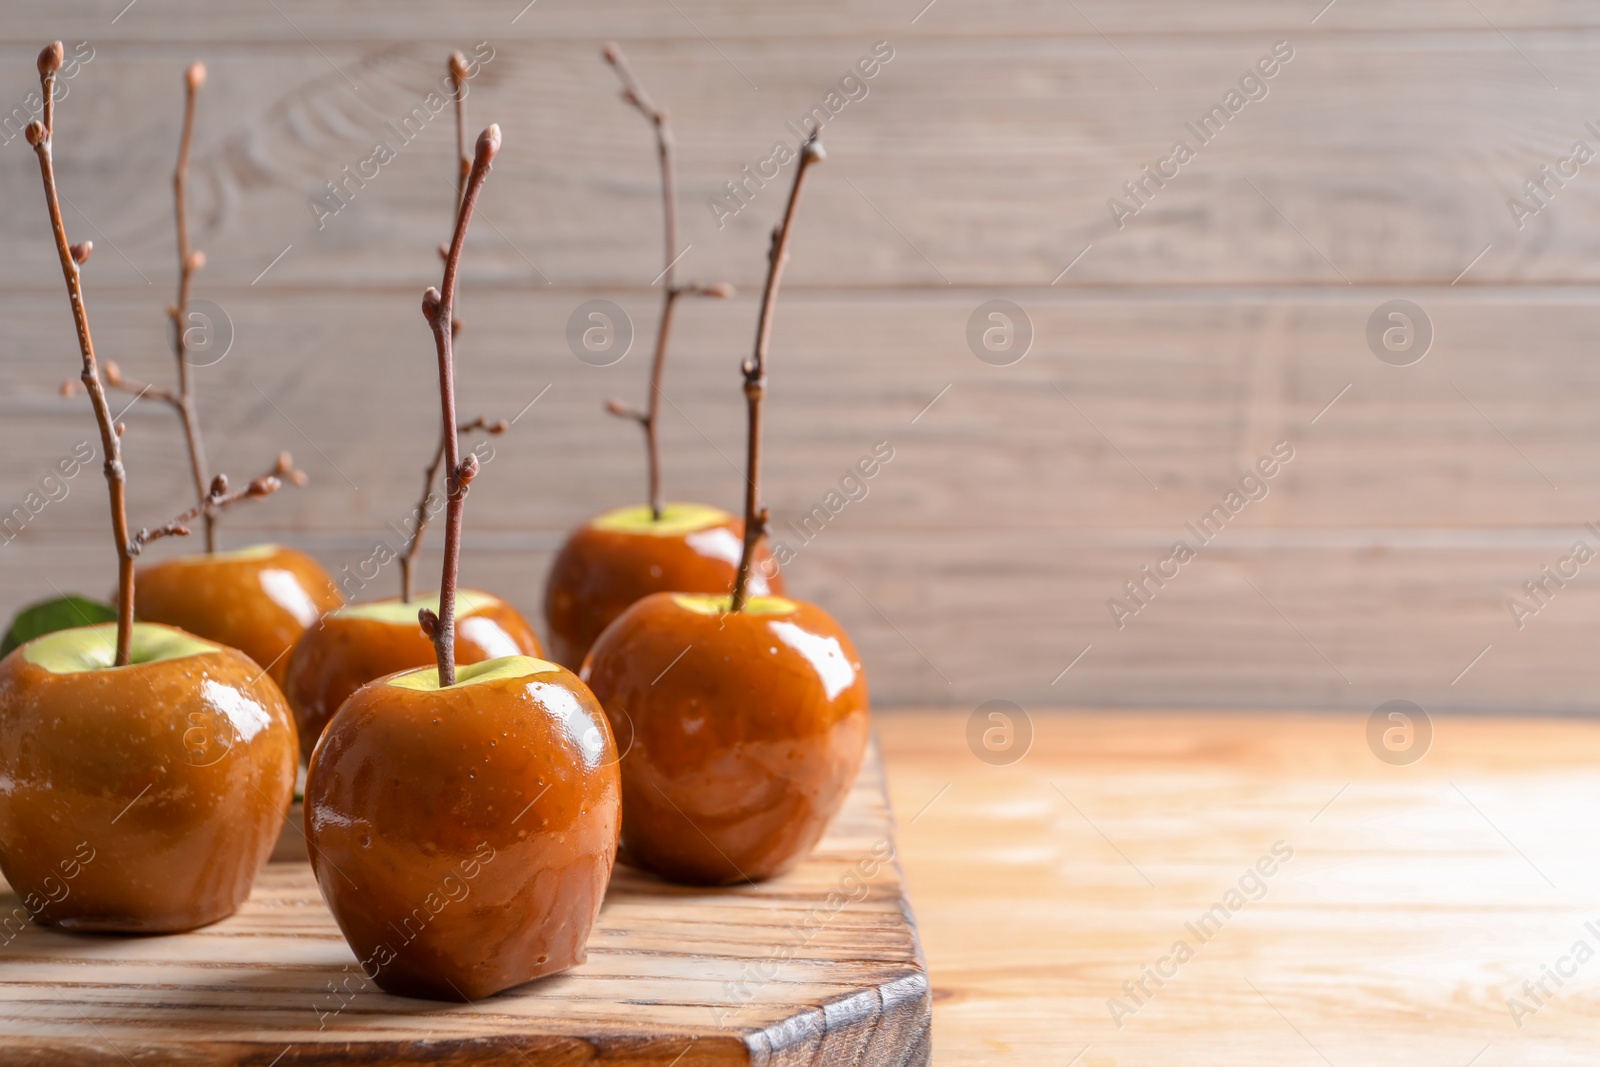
(822, 966)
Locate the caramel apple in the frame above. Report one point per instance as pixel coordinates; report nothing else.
(742, 718)
(463, 836)
(742, 731)
(141, 798)
(146, 772)
(463, 821)
(630, 552)
(363, 642)
(625, 555)
(258, 599)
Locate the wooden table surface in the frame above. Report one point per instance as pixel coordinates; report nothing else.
(1416, 902)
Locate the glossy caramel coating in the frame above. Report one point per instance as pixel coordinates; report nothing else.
(258, 600)
(145, 798)
(600, 572)
(741, 734)
(349, 649)
(464, 837)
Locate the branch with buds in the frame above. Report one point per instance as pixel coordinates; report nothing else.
(422, 512)
(459, 73)
(216, 498)
(649, 419)
(190, 262)
(41, 134)
(437, 306)
(754, 369)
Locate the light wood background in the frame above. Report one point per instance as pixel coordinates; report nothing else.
(1417, 901)
(1224, 318)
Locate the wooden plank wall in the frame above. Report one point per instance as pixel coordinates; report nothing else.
(1227, 315)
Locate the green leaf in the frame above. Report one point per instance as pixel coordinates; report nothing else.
(48, 616)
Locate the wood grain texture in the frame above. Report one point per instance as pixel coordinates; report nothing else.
(981, 562)
(969, 161)
(1225, 317)
(1417, 901)
(821, 966)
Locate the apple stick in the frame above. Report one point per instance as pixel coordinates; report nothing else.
(438, 307)
(182, 401)
(422, 513)
(755, 376)
(649, 418)
(39, 135)
(189, 262)
(459, 73)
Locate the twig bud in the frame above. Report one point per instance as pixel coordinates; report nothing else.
(219, 486)
(50, 59)
(468, 470)
(610, 52)
(197, 261)
(264, 486)
(813, 151)
(429, 622)
(113, 372)
(121, 428)
(444, 250)
(498, 426)
(488, 145)
(430, 304)
(458, 68)
(721, 290)
(34, 132)
(195, 76)
(69, 387)
(284, 465)
(617, 407)
(81, 251)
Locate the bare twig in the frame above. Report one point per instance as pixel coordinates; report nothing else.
(41, 135)
(217, 498)
(437, 306)
(649, 419)
(425, 509)
(190, 262)
(460, 72)
(755, 377)
(182, 401)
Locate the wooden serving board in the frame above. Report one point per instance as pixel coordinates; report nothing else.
(822, 966)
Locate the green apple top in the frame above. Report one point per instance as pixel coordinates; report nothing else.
(93, 648)
(676, 519)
